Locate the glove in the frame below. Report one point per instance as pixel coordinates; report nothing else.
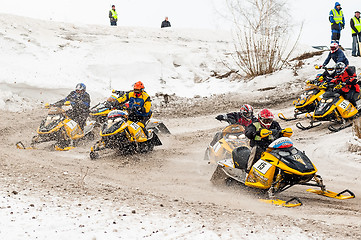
(342, 26)
(265, 133)
(339, 86)
(220, 117)
(287, 132)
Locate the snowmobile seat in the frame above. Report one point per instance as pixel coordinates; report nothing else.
(240, 157)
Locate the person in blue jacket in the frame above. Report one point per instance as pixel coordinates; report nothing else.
(80, 102)
(336, 54)
(337, 21)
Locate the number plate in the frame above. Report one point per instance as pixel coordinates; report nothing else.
(71, 124)
(344, 104)
(134, 126)
(262, 166)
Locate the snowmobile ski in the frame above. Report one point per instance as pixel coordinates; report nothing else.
(284, 118)
(21, 145)
(333, 194)
(300, 126)
(278, 202)
(332, 128)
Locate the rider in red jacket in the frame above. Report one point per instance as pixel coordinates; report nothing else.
(347, 78)
(244, 117)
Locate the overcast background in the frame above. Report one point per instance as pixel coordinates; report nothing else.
(181, 13)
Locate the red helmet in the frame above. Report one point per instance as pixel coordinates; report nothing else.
(138, 87)
(333, 47)
(265, 118)
(246, 111)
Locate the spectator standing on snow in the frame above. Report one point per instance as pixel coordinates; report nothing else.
(165, 23)
(356, 34)
(337, 22)
(113, 16)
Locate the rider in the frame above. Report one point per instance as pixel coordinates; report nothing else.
(139, 105)
(244, 117)
(336, 54)
(80, 102)
(260, 140)
(346, 78)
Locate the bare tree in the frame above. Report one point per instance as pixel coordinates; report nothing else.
(262, 35)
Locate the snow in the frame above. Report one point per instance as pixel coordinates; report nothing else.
(42, 61)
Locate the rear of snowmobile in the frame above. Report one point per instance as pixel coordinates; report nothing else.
(308, 100)
(119, 133)
(279, 168)
(100, 111)
(58, 127)
(333, 108)
(225, 142)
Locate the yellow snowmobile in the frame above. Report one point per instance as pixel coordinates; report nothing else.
(224, 142)
(100, 111)
(124, 135)
(333, 107)
(57, 126)
(280, 167)
(308, 100)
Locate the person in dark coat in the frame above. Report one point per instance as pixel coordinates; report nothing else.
(244, 117)
(165, 23)
(337, 21)
(355, 24)
(80, 102)
(113, 16)
(336, 54)
(260, 143)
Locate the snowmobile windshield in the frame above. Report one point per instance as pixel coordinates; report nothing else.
(294, 159)
(233, 129)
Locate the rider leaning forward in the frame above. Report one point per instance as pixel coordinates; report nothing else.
(139, 104)
(244, 117)
(80, 102)
(346, 78)
(260, 141)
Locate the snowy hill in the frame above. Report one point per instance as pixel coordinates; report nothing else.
(43, 61)
(47, 56)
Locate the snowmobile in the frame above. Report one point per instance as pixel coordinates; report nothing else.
(308, 100)
(57, 126)
(225, 141)
(333, 107)
(100, 111)
(124, 135)
(280, 167)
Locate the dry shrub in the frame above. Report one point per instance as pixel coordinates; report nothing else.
(308, 55)
(262, 41)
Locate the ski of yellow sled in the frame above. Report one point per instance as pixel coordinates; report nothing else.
(282, 203)
(20, 145)
(62, 149)
(333, 194)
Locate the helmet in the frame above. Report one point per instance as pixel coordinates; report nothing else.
(246, 111)
(340, 68)
(138, 87)
(80, 88)
(265, 118)
(333, 47)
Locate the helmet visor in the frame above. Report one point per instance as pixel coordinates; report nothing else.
(267, 120)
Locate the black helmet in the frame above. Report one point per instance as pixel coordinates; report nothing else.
(340, 68)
